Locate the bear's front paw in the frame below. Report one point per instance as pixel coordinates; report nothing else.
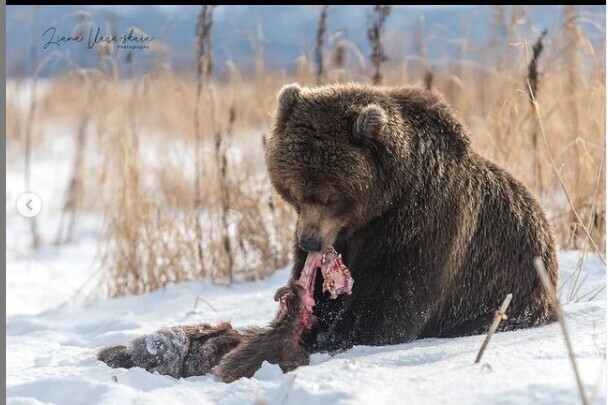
(162, 351)
(117, 356)
(282, 295)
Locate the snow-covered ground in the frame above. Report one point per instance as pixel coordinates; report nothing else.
(50, 355)
(55, 323)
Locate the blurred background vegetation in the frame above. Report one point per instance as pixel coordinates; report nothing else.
(167, 143)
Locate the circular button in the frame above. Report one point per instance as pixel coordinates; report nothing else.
(29, 205)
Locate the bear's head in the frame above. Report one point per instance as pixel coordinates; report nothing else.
(328, 158)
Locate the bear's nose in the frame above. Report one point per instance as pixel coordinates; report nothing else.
(308, 244)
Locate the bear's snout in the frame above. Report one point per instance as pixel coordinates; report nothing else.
(309, 244)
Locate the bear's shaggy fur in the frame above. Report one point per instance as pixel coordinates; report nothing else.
(435, 235)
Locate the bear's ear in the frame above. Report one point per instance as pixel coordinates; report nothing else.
(286, 99)
(369, 124)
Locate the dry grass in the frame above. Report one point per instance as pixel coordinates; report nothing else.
(145, 143)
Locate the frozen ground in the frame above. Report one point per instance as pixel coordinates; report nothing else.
(55, 323)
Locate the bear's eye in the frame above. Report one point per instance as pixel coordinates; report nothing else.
(332, 200)
(306, 127)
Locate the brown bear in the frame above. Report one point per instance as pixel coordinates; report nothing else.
(435, 235)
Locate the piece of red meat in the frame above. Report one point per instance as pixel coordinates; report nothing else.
(337, 280)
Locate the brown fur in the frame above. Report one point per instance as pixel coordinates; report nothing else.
(435, 235)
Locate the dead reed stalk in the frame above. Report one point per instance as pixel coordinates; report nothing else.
(374, 34)
(204, 68)
(65, 232)
(533, 79)
(222, 163)
(537, 49)
(277, 251)
(499, 316)
(428, 79)
(204, 42)
(559, 313)
(339, 55)
(321, 28)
